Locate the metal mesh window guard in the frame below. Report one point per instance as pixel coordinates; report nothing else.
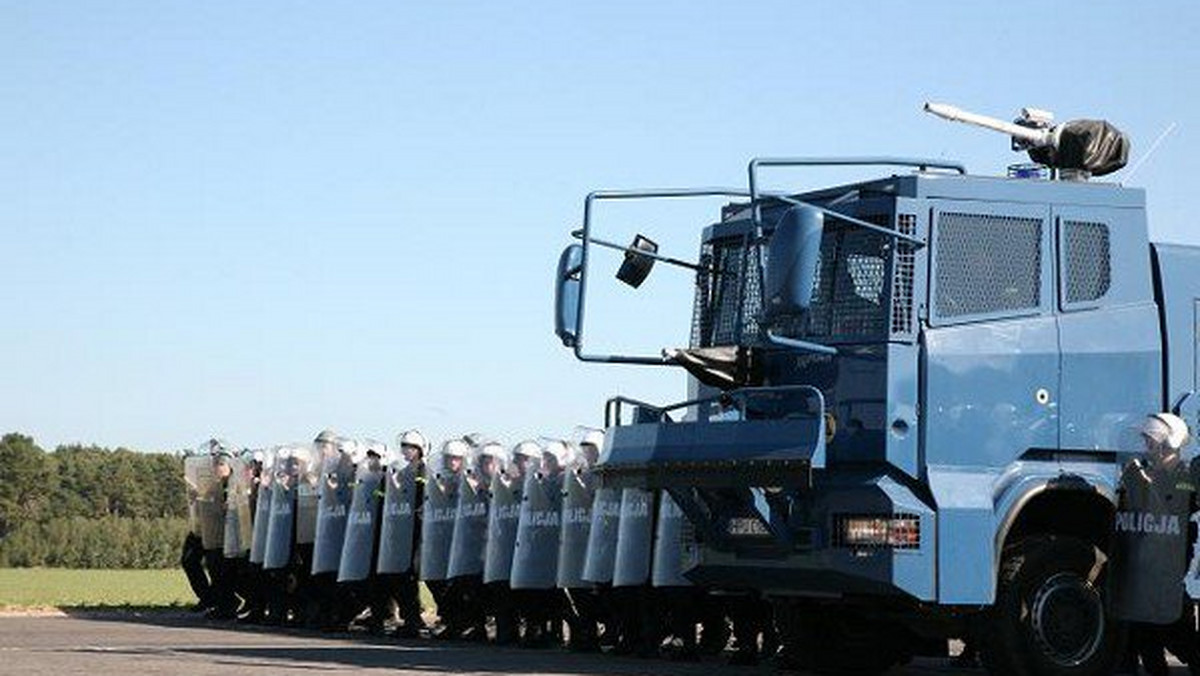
(987, 264)
(1088, 270)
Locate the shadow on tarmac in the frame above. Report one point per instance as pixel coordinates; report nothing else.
(327, 649)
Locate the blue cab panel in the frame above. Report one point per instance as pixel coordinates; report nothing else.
(1009, 357)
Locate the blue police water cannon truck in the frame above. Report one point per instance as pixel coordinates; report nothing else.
(910, 399)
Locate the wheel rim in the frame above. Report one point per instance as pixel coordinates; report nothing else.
(1067, 617)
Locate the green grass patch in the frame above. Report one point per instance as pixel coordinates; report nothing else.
(71, 588)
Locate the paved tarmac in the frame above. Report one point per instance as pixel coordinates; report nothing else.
(177, 643)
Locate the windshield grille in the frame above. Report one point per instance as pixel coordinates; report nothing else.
(849, 293)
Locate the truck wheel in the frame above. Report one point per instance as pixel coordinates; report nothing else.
(1049, 618)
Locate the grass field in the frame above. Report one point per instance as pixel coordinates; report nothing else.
(25, 588)
(67, 588)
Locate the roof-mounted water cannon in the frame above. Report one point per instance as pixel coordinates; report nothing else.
(1076, 149)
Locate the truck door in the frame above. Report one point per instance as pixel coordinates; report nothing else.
(991, 350)
(1108, 328)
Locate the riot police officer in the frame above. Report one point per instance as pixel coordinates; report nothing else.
(238, 470)
(503, 519)
(212, 506)
(535, 557)
(196, 469)
(357, 567)
(469, 541)
(400, 534)
(1156, 497)
(437, 530)
(257, 581)
(581, 600)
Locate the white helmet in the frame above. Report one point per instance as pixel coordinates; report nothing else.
(497, 452)
(326, 436)
(376, 448)
(351, 447)
(559, 451)
(456, 448)
(528, 449)
(494, 449)
(218, 448)
(592, 436)
(1166, 429)
(413, 438)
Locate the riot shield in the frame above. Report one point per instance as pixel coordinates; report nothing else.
(397, 528)
(602, 536)
(238, 526)
(362, 526)
(578, 494)
(262, 509)
(503, 515)
(291, 464)
(469, 538)
(193, 470)
(437, 524)
(1150, 543)
(535, 556)
(308, 494)
(336, 489)
(667, 565)
(631, 566)
(210, 501)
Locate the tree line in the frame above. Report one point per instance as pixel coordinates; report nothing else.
(89, 507)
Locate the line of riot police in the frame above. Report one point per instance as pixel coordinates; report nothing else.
(518, 546)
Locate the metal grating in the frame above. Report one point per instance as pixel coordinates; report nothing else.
(903, 276)
(849, 295)
(849, 292)
(1088, 268)
(987, 264)
(701, 317)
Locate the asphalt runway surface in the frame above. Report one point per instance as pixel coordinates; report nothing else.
(176, 643)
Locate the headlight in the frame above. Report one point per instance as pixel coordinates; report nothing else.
(894, 531)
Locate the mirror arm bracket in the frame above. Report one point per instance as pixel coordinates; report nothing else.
(801, 345)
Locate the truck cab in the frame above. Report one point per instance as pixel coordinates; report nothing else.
(909, 400)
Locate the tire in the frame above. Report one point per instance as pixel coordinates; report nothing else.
(1049, 618)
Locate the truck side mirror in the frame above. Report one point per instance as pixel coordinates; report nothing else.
(566, 294)
(793, 256)
(636, 266)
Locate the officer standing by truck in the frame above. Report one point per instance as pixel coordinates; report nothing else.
(1157, 495)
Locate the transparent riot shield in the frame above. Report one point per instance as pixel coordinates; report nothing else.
(262, 508)
(308, 490)
(631, 566)
(193, 469)
(333, 509)
(210, 501)
(362, 526)
(291, 464)
(469, 537)
(503, 515)
(668, 560)
(578, 495)
(601, 553)
(437, 524)
(1149, 550)
(397, 530)
(535, 557)
(239, 527)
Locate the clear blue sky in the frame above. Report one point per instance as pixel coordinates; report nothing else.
(262, 219)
